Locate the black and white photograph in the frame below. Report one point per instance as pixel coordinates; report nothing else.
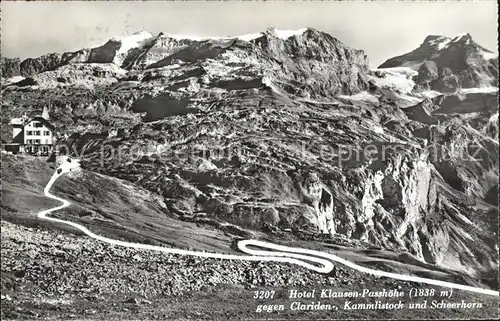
(249, 160)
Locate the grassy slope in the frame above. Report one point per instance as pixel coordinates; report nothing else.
(106, 205)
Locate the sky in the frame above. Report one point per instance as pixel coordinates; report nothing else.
(383, 29)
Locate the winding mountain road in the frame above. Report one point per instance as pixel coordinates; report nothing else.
(276, 253)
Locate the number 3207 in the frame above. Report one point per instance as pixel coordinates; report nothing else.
(264, 294)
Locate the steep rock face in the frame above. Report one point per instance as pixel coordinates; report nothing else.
(31, 66)
(77, 75)
(321, 201)
(422, 112)
(398, 193)
(447, 64)
(461, 133)
(315, 61)
(11, 67)
(162, 47)
(122, 51)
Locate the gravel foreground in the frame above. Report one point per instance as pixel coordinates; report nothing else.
(47, 275)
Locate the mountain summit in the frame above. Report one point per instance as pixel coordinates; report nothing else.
(447, 64)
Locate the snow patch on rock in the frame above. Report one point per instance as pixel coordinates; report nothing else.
(13, 80)
(488, 55)
(250, 36)
(285, 34)
(193, 38)
(266, 80)
(479, 90)
(430, 93)
(137, 40)
(412, 64)
(459, 37)
(361, 96)
(398, 78)
(441, 42)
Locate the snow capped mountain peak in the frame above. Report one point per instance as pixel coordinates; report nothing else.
(438, 45)
(463, 36)
(188, 37)
(285, 34)
(448, 64)
(137, 36)
(280, 33)
(244, 37)
(136, 40)
(439, 42)
(250, 36)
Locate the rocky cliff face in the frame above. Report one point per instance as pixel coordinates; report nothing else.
(447, 64)
(11, 67)
(286, 130)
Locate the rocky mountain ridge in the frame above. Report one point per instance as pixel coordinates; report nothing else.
(270, 131)
(145, 51)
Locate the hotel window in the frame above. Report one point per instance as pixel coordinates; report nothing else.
(37, 125)
(46, 132)
(29, 132)
(37, 132)
(37, 141)
(29, 141)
